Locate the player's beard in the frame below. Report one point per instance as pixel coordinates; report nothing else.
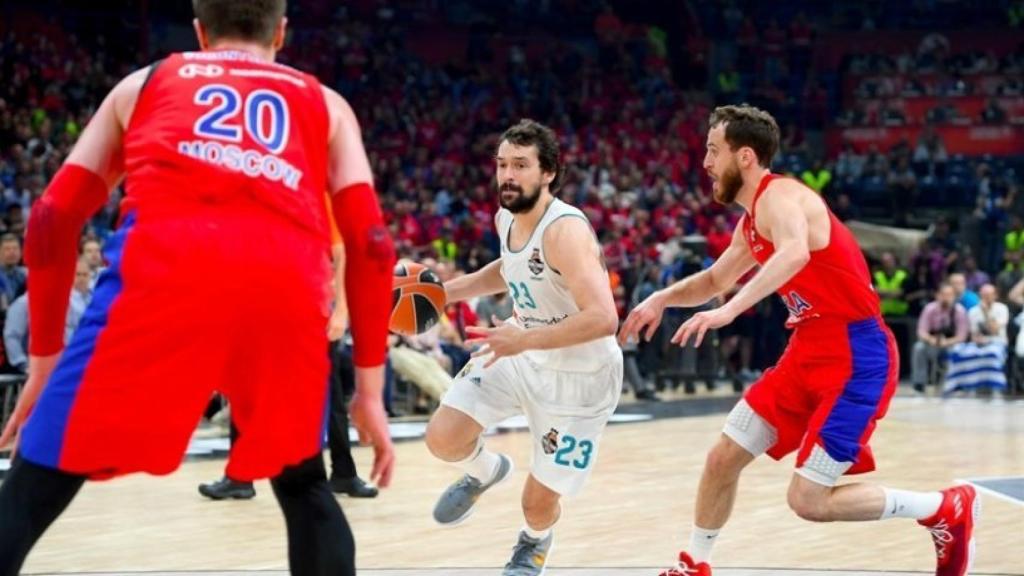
(521, 202)
(729, 185)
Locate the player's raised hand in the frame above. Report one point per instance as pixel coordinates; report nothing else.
(39, 370)
(504, 339)
(646, 314)
(368, 416)
(700, 323)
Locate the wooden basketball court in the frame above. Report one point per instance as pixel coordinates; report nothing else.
(632, 518)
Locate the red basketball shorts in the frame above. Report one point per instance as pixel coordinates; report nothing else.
(831, 386)
(220, 301)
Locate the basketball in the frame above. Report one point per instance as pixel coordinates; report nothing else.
(418, 299)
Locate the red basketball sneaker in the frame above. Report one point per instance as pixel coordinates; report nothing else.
(687, 567)
(952, 529)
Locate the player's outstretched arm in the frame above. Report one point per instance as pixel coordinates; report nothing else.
(369, 263)
(485, 281)
(572, 250)
(693, 290)
(80, 188)
(369, 253)
(787, 222)
(77, 191)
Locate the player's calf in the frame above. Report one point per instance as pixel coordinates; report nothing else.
(541, 505)
(812, 506)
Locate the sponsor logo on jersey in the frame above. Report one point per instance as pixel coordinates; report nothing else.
(532, 321)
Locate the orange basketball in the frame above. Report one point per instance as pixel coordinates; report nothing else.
(418, 299)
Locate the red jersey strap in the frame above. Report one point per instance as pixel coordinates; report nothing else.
(51, 249)
(761, 187)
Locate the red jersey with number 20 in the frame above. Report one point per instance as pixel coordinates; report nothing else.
(226, 128)
(834, 285)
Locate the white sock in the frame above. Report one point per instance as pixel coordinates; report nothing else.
(536, 534)
(906, 504)
(482, 464)
(701, 542)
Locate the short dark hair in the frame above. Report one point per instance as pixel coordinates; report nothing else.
(531, 133)
(746, 125)
(253, 20)
(9, 237)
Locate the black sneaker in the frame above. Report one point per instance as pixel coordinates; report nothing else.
(227, 488)
(355, 487)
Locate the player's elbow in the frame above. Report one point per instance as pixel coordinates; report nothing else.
(799, 255)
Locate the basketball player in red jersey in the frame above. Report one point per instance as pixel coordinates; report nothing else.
(217, 281)
(837, 375)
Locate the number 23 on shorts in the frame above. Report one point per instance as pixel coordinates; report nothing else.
(573, 453)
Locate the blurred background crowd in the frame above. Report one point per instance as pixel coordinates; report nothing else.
(908, 118)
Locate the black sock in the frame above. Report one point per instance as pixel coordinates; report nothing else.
(31, 498)
(320, 542)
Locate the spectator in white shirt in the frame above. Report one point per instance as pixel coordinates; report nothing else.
(989, 318)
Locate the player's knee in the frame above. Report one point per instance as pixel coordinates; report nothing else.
(809, 506)
(436, 439)
(443, 441)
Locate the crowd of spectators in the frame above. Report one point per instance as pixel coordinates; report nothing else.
(631, 128)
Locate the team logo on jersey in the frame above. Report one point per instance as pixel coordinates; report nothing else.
(535, 264)
(795, 303)
(204, 70)
(550, 441)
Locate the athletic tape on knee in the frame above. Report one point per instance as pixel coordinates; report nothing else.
(821, 468)
(749, 430)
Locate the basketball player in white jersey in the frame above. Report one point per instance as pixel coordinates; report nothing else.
(556, 360)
